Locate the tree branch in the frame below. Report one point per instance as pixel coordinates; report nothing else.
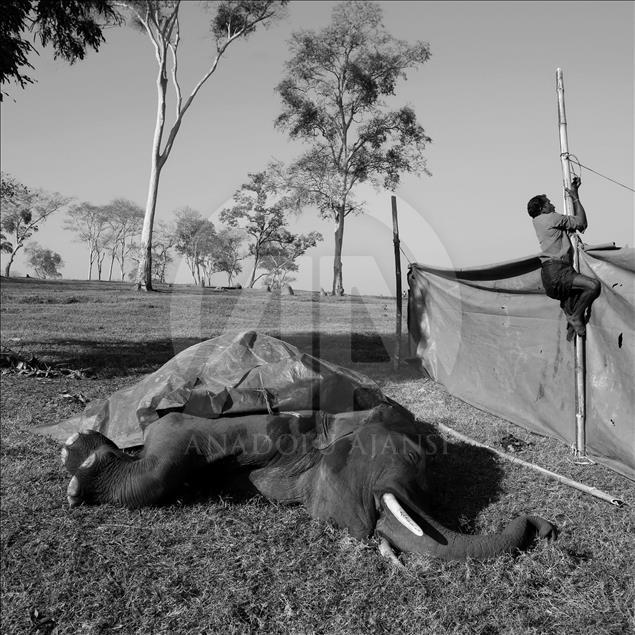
(177, 124)
(177, 88)
(172, 21)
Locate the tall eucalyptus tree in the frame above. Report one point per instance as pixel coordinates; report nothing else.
(333, 99)
(159, 19)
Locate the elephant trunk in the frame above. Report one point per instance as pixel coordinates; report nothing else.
(439, 542)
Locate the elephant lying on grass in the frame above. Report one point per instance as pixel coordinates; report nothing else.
(305, 431)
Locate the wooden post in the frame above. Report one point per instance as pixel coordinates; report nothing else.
(580, 392)
(395, 240)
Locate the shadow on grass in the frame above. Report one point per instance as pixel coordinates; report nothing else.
(224, 479)
(112, 358)
(462, 480)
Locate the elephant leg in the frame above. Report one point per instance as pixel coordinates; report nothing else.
(80, 446)
(175, 447)
(96, 464)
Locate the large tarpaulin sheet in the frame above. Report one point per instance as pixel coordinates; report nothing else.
(229, 375)
(495, 340)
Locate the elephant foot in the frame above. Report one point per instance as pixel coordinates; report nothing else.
(87, 456)
(80, 446)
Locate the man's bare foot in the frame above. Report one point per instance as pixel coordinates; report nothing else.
(577, 324)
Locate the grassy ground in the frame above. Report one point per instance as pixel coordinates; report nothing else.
(239, 565)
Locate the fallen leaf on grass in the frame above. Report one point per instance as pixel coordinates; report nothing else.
(510, 443)
(12, 362)
(41, 623)
(78, 397)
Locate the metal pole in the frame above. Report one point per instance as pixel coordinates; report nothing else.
(395, 240)
(580, 396)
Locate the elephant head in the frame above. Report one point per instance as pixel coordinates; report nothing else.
(372, 481)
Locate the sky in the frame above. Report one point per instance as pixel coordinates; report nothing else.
(487, 98)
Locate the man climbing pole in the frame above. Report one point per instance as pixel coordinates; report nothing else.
(575, 291)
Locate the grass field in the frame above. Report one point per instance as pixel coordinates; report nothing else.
(236, 564)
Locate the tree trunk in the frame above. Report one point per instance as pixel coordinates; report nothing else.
(112, 264)
(7, 268)
(121, 262)
(338, 285)
(253, 271)
(144, 273)
(164, 264)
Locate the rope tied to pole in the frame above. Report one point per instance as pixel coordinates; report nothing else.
(573, 159)
(405, 255)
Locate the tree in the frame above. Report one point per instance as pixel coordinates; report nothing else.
(8, 189)
(163, 241)
(45, 262)
(70, 26)
(6, 246)
(123, 220)
(259, 211)
(160, 20)
(279, 257)
(90, 222)
(332, 98)
(22, 212)
(228, 252)
(208, 244)
(193, 238)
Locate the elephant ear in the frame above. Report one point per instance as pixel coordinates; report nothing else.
(341, 489)
(300, 471)
(339, 492)
(331, 428)
(359, 451)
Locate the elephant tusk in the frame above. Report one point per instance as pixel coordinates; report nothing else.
(387, 552)
(400, 514)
